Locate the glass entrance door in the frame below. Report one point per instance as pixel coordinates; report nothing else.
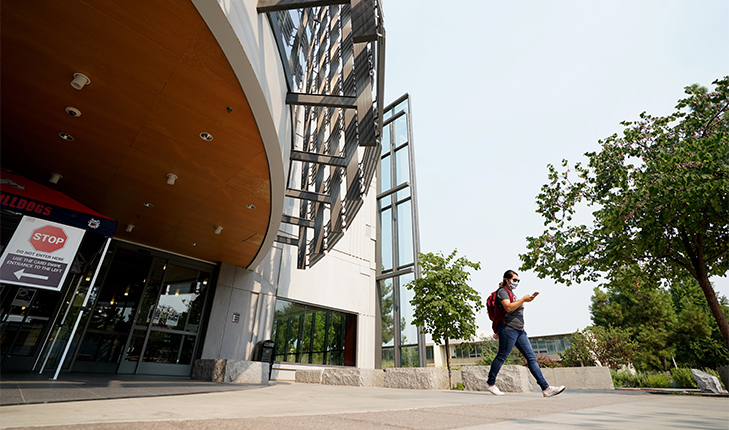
(165, 332)
(147, 315)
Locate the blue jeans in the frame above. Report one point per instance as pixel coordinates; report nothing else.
(508, 338)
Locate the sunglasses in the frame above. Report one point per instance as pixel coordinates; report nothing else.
(514, 281)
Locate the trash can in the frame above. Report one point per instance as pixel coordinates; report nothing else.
(265, 351)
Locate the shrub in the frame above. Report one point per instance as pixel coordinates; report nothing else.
(641, 379)
(683, 378)
(659, 380)
(458, 386)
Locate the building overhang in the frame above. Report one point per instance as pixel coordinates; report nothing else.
(168, 95)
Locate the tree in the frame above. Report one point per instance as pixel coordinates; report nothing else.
(443, 303)
(662, 195)
(634, 300)
(609, 346)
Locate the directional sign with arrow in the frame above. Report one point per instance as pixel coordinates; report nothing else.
(40, 254)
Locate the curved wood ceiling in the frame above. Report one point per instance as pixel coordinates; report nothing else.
(158, 80)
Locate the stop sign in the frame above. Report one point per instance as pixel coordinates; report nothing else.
(48, 239)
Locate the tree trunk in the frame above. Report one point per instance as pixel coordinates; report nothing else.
(714, 305)
(448, 362)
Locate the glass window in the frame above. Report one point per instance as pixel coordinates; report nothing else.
(386, 309)
(386, 141)
(308, 334)
(405, 243)
(386, 239)
(385, 182)
(409, 356)
(402, 166)
(401, 130)
(408, 332)
(403, 105)
(182, 292)
(388, 358)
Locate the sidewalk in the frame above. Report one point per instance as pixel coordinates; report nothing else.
(312, 406)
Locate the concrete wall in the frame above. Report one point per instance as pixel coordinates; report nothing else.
(343, 280)
(586, 378)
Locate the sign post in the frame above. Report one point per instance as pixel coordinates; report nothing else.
(40, 254)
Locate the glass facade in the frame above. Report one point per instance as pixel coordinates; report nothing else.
(550, 345)
(313, 335)
(401, 343)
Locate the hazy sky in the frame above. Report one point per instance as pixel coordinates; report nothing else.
(501, 89)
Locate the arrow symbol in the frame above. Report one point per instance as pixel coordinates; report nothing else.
(20, 273)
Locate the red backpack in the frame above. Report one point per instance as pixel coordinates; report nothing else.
(496, 312)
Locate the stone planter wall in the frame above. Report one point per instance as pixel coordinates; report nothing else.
(581, 378)
(511, 379)
(417, 378)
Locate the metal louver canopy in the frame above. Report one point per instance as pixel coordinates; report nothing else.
(333, 54)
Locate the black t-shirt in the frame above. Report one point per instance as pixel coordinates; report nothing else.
(514, 319)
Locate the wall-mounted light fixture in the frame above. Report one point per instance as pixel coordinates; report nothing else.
(79, 81)
(171, 178)
(55, 177)
(129, 228)
(218, 229)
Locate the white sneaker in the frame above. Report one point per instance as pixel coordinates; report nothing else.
(493, 389)
(553, 391)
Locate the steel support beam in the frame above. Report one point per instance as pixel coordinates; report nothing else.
(318, 158)
(297, 221)
(308, 195)
(264, 6)
(321, 100)
(287, 240)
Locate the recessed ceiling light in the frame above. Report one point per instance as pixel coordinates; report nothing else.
(195, 244)
(250, 206)
(73, 112)
(206, 136)
(147, 204)
(66, 136)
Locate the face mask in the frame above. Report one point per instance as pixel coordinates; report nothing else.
(513, 285)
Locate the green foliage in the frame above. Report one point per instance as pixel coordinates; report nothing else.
(666, 323)
(659, 380)
(697, 339)
(608, 345)
(634, 301)
(641, 379)
(661, 193)
(683, 377)
(458, 386)
(444, 305)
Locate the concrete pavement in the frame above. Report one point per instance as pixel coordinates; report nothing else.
(311, 406)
